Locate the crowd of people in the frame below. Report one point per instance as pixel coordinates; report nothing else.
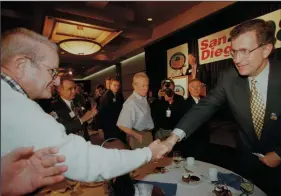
(148, 127)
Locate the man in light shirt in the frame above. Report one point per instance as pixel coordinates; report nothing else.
(29, 64)
(253, 92)
(135, 117)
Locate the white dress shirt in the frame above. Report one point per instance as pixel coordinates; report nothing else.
(262, 83)
(136, 113)
(68, 103)
(24, 123)
(195, 99)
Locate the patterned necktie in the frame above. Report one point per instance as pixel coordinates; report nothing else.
(257, 109)
(74, 109)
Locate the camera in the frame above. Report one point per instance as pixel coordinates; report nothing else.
(169, 92)
(167, 83)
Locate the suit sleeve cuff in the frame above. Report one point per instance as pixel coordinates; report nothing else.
(180, 133)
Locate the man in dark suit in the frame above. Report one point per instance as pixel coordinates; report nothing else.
(253, 92)
(197, 143)
(73, 117)
(196, 71)
(45, 104)
(111, 104)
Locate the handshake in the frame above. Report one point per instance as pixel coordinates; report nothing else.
(160, 148)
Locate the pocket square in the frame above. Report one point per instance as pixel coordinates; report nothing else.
(273, 116)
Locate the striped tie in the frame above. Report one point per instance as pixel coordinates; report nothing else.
(257, 109)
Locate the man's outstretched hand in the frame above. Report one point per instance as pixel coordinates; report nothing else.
(23, 170)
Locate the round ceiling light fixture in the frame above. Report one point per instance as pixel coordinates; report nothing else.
(80, 46)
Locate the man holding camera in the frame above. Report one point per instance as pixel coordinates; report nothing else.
(167, 110)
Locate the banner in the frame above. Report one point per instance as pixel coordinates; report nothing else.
(177, 61)
(216, 47)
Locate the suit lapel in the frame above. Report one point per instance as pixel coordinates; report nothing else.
(243, 93)
(273, 92)
(64, 104)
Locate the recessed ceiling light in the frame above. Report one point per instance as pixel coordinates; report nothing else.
(149, 19)
(62, 52)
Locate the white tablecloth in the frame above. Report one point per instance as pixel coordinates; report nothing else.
(205, 188)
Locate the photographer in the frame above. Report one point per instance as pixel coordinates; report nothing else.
(167, 110)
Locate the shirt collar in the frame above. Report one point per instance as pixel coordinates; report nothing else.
(195, 99)
(67, 102)
(15, 86)
(138, 96)
(263, 76)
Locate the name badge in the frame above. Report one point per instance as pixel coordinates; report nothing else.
(114, 99)
(71, 114)
(168, 113)
(82, 108)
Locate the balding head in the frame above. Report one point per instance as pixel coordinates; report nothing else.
(194, 88)
(191, 59)
(141, 83)
(31, 60)
(21, 41)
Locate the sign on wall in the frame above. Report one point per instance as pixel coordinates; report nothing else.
(216, 47)
(177, 61)
(181, 86)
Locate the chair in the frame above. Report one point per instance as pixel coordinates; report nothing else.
(114, 143)
(156, 191)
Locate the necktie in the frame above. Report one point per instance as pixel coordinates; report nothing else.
(74, 109)
(257, 109)
(72, 106)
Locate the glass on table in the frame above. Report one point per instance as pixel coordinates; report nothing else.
(177, 158)
(246, 187)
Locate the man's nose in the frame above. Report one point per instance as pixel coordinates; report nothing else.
(237, 58)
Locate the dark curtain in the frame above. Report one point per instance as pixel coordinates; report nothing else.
(156, 53)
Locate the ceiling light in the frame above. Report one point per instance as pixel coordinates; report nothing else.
(70, 72)
(149, 19)
(80, 46)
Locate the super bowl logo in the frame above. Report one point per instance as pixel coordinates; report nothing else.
(177, 61)
(179, 90)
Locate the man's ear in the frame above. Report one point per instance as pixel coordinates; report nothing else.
(19, 65)
(267, 50)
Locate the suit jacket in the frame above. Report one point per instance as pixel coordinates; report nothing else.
(202, 133)
(109, 110)
(72, 124)
(45, 104)
(234, 89)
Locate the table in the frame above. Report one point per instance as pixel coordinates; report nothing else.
(174, 176)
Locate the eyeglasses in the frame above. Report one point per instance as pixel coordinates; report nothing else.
(53, 72)
(245, 53)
